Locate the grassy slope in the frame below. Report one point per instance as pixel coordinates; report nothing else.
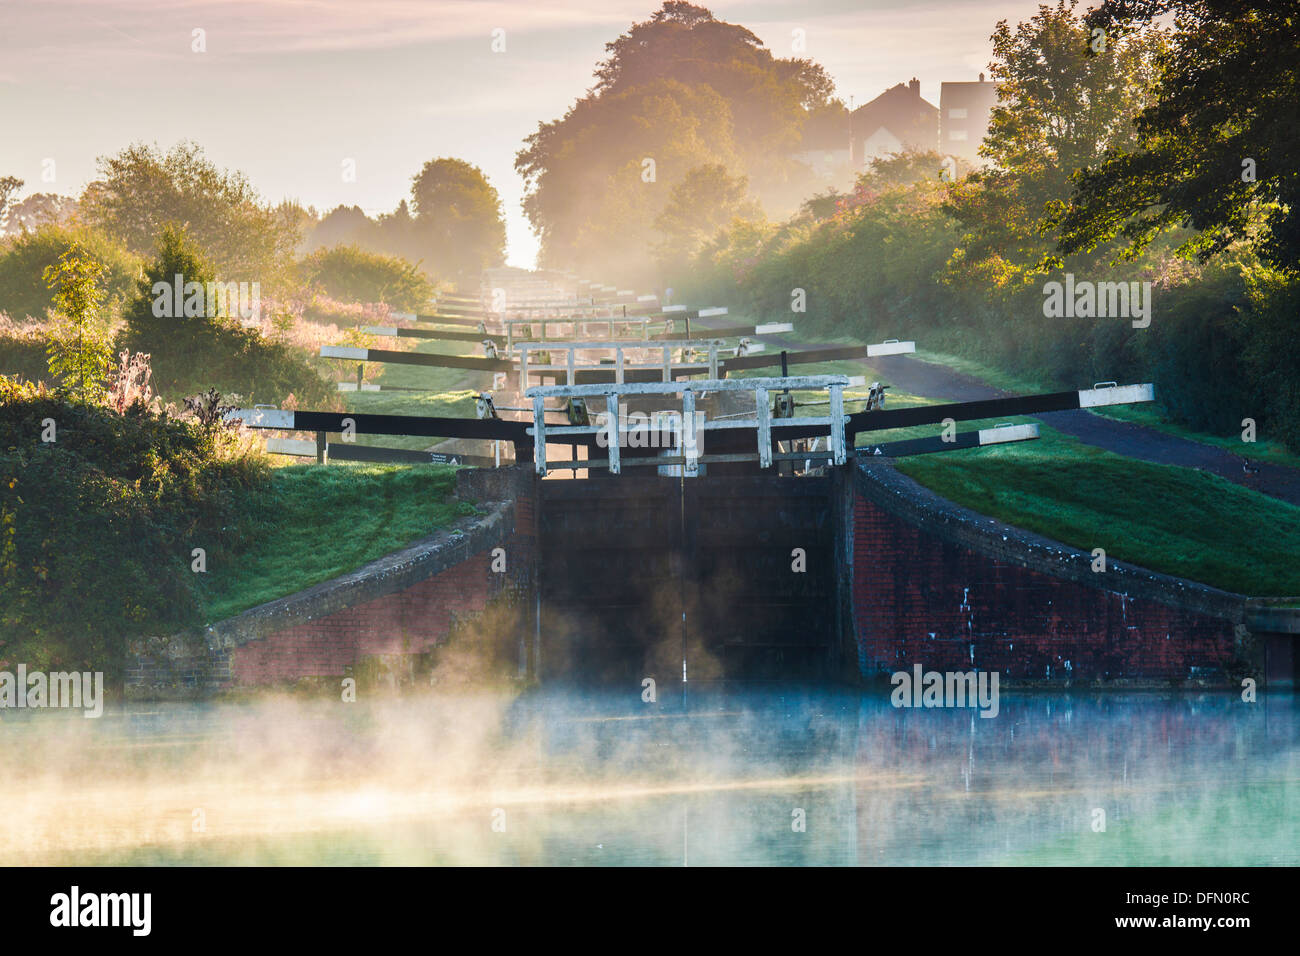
(1176, 520)
(315, 523)
(1180, 521)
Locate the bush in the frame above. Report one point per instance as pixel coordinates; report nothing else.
(350, 273)
(97, 526)
(192, 353)
(22, 349)
(25, 257)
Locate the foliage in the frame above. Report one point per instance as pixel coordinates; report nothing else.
(142, 189)
(97, 526)
(129, 385)
(9, 186)
(193, 353)
(1225, 101)
(458, 220)
(706, 200)
(79, 350)
(25, 257)
(352, 274)
(1060, 108)
(683, 90)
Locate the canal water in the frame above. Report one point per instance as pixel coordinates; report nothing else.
(762, 774)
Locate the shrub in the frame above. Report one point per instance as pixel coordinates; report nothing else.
(25, 257)
(193, 353)
(97, 526)
(353, 274)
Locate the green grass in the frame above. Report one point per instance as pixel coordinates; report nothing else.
(1179, 521)
(315, 522)
(449, 394)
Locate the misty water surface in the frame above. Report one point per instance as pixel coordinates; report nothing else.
(758, 775)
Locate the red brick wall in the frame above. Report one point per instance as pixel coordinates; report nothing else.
(920, 599)
(408, 622)
(411, 621)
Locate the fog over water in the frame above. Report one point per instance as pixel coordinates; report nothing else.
(755, 774)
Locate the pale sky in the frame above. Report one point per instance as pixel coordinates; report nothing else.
(287, 90)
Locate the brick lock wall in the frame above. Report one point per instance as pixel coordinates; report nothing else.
(920, 599)
(410, 621)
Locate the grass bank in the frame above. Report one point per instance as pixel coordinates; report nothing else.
(312, 523)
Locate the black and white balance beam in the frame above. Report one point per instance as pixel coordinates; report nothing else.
(1001, 435)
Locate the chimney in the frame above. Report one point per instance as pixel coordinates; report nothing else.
(915, 85)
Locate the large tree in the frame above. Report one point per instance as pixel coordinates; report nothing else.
(1064, 101)
(1216, 150)
(458, 219)
(9, 186)
(678, 91)
(142, 188)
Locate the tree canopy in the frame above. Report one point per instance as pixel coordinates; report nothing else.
(142, 188)
(1061, 107)
(1215, 150)
(458, 219)
(677, 92)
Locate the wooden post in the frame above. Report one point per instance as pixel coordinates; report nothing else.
(616, 434)
(764, 429)
(361, 374)
(837, 424)
(691, 447)
(539, 435)
(322, 448)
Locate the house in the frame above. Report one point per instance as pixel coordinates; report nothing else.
(896, 120)
(964, 110)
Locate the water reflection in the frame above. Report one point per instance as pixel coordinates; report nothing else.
(753, 775)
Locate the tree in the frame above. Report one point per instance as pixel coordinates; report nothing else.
(79, 352)
(676, 92)
(193, 350)
(706, 200)
(25, 257)
(143, 188)
(458, 219)
(40, 209)
(9, 186)
(1215, 151)
(351, 274)
(1061, 107)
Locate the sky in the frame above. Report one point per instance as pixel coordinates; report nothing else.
(295, 92)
